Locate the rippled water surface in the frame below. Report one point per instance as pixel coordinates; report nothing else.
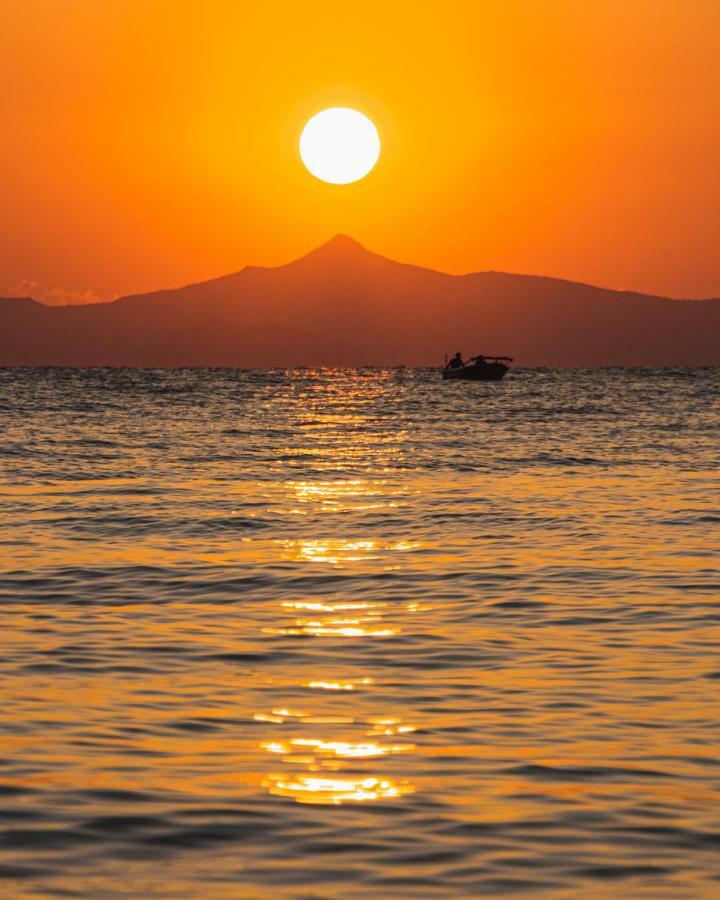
(362, 633)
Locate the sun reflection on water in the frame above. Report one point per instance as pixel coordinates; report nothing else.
(329, 750)
(370, 622)
(341, 495)
(318, 754)
(339, 685)
(337, 551)
(334, 791)
(362, 750)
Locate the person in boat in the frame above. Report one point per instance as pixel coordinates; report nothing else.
(456, 362)
(479, 360)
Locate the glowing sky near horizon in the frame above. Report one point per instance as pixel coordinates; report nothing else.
(152, 144)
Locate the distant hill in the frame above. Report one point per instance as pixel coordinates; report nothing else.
(342, 305)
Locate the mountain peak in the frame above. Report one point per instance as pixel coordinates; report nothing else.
(339, 252)
(341, 243)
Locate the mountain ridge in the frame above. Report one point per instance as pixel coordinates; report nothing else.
(343, 305)
(344, 242)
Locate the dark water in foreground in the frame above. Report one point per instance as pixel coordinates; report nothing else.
(350, 634)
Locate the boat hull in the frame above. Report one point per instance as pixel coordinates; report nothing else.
(486, 372)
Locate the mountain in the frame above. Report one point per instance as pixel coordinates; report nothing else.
(342, 305)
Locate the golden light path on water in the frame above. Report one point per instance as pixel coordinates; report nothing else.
(352, 621)
(359, 634)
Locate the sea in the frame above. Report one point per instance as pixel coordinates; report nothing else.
(359, 633)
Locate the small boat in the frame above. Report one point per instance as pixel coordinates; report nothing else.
(479, 368)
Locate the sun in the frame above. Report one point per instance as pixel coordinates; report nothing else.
(340, 145)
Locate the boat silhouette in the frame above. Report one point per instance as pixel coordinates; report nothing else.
(478, 368)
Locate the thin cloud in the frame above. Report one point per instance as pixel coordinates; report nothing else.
(54, 296)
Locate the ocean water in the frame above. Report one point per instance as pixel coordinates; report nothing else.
(330, 634)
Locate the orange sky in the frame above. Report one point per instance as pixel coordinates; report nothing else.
(151, 143)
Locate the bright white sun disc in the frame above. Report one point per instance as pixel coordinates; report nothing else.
(339, 145)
